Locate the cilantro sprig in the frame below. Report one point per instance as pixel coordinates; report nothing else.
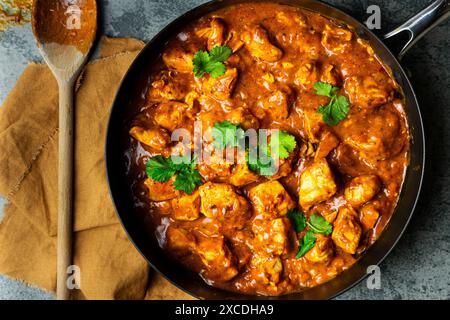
(212, 62)
(337, 109)
(161, 169)
(307, 243)
(284, 145)
(226, 134)
(298, 219)
(280, 147)
(317, 225)
(262, 167)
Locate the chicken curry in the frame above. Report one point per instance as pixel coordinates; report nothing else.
(342, 148)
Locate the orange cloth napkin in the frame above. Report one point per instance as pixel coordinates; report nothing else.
(111, 268)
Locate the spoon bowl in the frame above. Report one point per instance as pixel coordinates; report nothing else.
(65, 31)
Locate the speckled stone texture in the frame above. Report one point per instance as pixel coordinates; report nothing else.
(419, 266)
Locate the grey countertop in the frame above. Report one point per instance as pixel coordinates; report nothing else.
(419, 266)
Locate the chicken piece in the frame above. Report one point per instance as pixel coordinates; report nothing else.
(234, 42)
(258, 43)
(307, 75)
(346, 230)
(328, 142)
(309, 43)
(240, 246)
(161, 191)
(313, 123)
(222, 87)
(215, 165)
(322, 251)
(348, 161)
(277, 104)
(216, 256)
(217, 33)
(220, 201)
(172, 115)
(369, 215)
(290, 20)
(306, 150)
(270, 198)
(242, 175)
(369, 91)
(180, 148)
(329, 212)
(283, 169)
(329, 75)
(155, 138)
(186, 207)
(218, 172)
(211, 104)
(362, 189)
(312, 72)
(316, 184)
(168, 87)
(192, 100)
(244, 118)
(178, 59)
(266, 270)
(271, 236)
(284, 166)
(179, 239)
(208, 119)
(268, 80)
(336, 39)
(377, 135)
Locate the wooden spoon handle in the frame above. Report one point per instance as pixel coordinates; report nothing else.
(65, 186)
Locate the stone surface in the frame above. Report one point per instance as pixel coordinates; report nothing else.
(419, 266)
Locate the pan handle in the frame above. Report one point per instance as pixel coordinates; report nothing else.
(417, 26)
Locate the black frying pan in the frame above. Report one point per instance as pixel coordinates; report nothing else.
(131, 85)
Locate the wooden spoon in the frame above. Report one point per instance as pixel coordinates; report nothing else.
(65, 31)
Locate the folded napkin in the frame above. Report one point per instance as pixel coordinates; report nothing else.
(111, 268)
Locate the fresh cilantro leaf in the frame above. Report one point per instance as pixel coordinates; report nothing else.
(338, 107)
(335, 111)
(215, 69)
(283, 145)
(318, 224)
(298, 219)
(263, 169)
(200, 61)
(307, 243)
(326, 114)
(211, 62)
(325, 89)
(187, 181)
(226, 134)
(220, 54)
(160, 169)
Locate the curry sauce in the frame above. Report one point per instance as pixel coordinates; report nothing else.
(236, 228)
